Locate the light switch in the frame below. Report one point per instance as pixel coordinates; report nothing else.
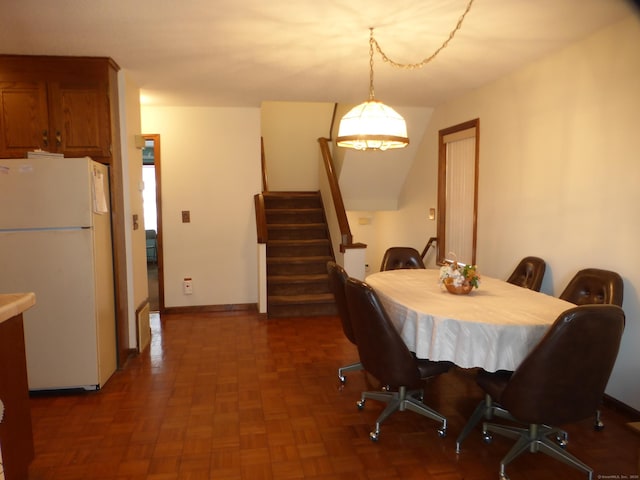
(186, 216)
(432, 214)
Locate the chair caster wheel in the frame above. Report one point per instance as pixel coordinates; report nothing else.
(360, 404)
(342, 379)
(562, 440)
(487, 437)
(374, 436)
(442, 432)
(598, 426)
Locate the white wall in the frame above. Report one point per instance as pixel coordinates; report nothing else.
(210, 165)
(559, 174)
(290, 131)
(137, 286)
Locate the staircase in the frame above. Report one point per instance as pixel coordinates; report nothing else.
(298, 249)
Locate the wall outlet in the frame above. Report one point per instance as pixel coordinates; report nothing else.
(187, 286)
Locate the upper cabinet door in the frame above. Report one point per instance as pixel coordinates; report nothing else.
(23, 118)
(79, 118)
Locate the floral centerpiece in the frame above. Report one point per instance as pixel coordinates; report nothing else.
(459, 280)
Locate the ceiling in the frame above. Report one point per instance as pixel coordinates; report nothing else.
(243, 52)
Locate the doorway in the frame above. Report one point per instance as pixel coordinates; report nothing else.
(458, 192)
(151, 175)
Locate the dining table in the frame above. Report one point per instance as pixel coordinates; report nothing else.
(493, 327)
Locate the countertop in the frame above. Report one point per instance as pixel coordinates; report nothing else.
(12, 304)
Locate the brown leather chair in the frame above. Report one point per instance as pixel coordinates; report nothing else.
(561, 381)
(337, 281)
(594, 286)
(396, 258)
(529, 273)
(384, 355)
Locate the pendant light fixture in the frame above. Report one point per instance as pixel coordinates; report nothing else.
(372, 125)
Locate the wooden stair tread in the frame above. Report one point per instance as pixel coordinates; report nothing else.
(293, 210)
(318, 277)
(302, 241)
(296, 225)
(323, 258)
(293, 193)
(307, 298)
(298, 249)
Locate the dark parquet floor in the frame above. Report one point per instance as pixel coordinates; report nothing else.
(233, 396)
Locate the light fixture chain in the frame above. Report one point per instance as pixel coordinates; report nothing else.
(371, 42)
(412, 66)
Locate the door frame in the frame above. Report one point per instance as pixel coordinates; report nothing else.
(441, 256)
(155, 137)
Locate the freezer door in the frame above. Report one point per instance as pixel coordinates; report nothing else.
(45, 193)
(69, 332)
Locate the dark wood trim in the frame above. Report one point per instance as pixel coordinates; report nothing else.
(623, 408)
(238, 307)
(16, 433)
(119, 226)
(344, 248)
(442, 190)
(261, 218)
(263, 160)
(157, 163)
(343, 222)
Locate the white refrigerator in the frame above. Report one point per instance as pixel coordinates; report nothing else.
(55, 241)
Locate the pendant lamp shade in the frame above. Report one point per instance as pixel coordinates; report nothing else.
(372, 125)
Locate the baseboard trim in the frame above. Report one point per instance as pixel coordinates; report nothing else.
(238, 307)
(623, 408)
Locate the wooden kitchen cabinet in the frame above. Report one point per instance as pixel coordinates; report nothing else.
(24, 123)
(57, 104)
(16, 437)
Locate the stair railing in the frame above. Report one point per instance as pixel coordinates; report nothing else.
(265, 187)
(261, 218)
(432, 241)
(341, 214)
(353, 258)
(262, 235)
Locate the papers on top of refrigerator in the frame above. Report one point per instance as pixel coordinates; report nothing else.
(99, 193)
(43, 154)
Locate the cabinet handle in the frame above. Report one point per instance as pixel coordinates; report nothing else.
(45, 138)
(58, 138)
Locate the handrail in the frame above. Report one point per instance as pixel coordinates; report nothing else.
(345, 232)
(431, 241)
(261, 218)
(265, 187)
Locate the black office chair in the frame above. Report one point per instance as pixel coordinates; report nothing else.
(594, 286)
(561, 381)
(529, 273)
(384, 355)
(337, 281)
(396, 258)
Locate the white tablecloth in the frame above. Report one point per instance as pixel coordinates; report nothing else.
(494, 327)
